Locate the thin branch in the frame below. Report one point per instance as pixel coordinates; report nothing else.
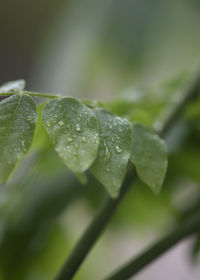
(42, 95)
(35, 94)
(189, 94)
(131, 268)
(99, 223)
(93, 231)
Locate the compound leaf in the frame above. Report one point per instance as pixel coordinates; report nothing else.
(17, 124)
(149, 155)
(114, 151)
(74, 131)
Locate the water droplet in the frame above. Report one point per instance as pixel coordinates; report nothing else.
(118, 149)
(83, 139)
(61, 123)
(29, 118)
(107, 169)
(23, 146)
(78, 127)
(48, 123)
(75, 154)
(95, 139)
(69, 139)
(107, 152)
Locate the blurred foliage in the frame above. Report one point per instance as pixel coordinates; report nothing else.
(107, 50)
(43, 188)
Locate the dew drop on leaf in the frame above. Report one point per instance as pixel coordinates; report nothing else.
(61, 122)
(78, 127)
(83, 139)
(48, 124)
(107, 152)
(69, 136)
(17, 126)
(69, 139)
(118, 149)
(114, 151)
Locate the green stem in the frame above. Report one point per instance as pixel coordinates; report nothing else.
(190, 93)
(131, 268)
(92, 233)
(99, 223)
(42, 95)
(35, 94)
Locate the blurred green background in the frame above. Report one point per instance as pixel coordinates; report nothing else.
(139, 53)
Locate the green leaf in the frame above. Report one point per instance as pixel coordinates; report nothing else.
(74, 132)
(114, 151)
(41, 139)
(17, 124)
(149, 155)
(16, 86)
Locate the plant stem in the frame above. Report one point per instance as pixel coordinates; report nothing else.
(190, 93)
(35, 94)
(132, 267)
(42, 95)
(92, 233)
(100, 221)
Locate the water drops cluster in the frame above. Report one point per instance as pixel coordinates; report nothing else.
(84, 138)
(96, 139)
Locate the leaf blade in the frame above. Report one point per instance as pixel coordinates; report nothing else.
(74, 132)
(17, 124)
(114, 151)
(149, 155)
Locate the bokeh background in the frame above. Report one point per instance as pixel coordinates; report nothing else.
(105, 50)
